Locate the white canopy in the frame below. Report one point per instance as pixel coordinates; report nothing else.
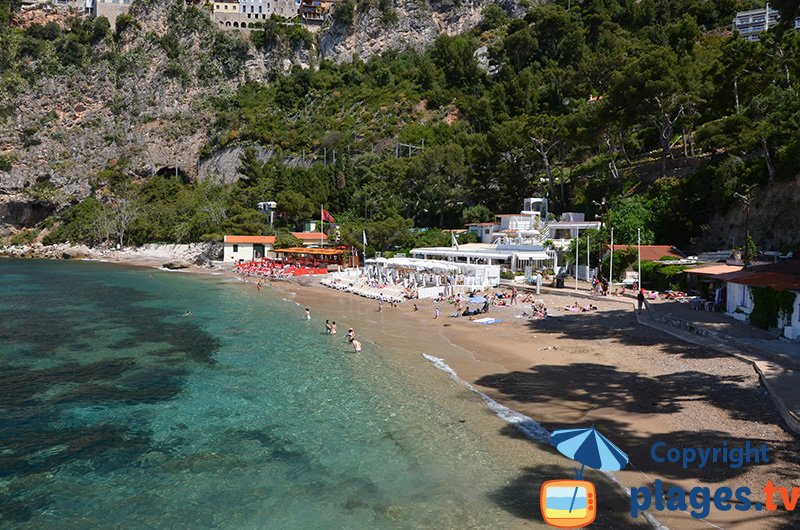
(541, 255)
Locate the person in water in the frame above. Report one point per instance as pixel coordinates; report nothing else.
(333, 328)
(187, 313)
(351, 335)
(356, 345)
(308, 314)
(327, 327)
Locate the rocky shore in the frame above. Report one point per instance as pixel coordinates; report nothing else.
(170, 256)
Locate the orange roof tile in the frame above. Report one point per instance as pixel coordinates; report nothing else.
(714, 269)
(260, 240)
(309, 236)
(651, 252)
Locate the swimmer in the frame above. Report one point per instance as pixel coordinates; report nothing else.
(308, 314)
(351, 335)
(333, 328)
(187, 313)
(327, 327)
(356, 345)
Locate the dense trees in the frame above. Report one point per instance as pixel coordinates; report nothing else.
(648, 104)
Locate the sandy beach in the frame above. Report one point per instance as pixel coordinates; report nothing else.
(636, 385)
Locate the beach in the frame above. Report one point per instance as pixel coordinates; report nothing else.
(636, 385)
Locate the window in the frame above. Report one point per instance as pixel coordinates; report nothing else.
(235, 248)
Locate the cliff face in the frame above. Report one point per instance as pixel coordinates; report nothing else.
(406, 24)
(142, 100)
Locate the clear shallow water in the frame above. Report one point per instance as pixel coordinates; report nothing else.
(116, 410)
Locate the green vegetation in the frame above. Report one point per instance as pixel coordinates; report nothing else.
(663, 277)
(647, 104)
(769, 305)
(24, 237)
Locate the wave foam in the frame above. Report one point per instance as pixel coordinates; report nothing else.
(527, 426)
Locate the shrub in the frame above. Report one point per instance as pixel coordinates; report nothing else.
(24, 237)
(286, 239)
(769, 305)
(344, 13)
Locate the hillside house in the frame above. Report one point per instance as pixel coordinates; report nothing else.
(248, 14)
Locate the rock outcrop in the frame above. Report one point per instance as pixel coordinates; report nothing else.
(143, 102)
(412, 24)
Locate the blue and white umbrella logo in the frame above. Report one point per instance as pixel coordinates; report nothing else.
(590, 448)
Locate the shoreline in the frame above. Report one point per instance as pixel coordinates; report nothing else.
(544, 369)
(637, 385)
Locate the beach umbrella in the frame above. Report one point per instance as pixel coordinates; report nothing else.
(590, 448)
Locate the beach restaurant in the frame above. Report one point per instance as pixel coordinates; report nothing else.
(248, 248)
(517, 257)
(403, 278)
(429, 278)
(317, 256)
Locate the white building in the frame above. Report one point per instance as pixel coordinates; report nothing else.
(247, 248)
(531, 226)
(750, 23)
(570, 226)
(246, 14)
(782, 277)
(516, 257)
(110, 9)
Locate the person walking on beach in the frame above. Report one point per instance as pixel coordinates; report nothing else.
(327, 327)
(333, 328)
(380, 303)
(640, 299)
(514, 294)
(308, 314)
(436, 314)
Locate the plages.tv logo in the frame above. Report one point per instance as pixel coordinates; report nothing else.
(573, 503)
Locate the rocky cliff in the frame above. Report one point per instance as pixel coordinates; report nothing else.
(403, 24)
(142, 99)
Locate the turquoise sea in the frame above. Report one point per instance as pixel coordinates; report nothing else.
(116, 410)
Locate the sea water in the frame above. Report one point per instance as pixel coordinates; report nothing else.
(119, 409)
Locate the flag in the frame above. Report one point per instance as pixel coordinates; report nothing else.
(326, 216)
(364, 238)
(453, 240)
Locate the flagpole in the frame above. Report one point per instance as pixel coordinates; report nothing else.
(577, 262)
(639, 246)
(321, 223)
(364, 243)
(587, 259)
(611, 268)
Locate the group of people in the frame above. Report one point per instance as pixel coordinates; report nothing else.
(577, 308)
(392, 302)
(600, 285)
(330, 329)
(538, 310)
